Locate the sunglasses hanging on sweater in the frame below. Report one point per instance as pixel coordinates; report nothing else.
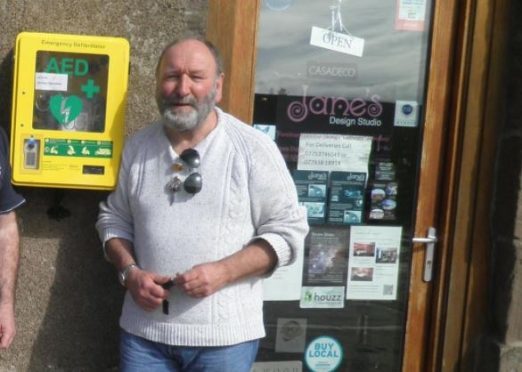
(192, 184)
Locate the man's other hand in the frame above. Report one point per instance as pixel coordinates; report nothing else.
(146, 288)
(202, 280)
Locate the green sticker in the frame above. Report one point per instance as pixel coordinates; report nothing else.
(78, 148)
(65, 109)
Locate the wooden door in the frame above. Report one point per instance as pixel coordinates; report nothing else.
(235, 26)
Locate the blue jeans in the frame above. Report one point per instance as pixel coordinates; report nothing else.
(138, 354)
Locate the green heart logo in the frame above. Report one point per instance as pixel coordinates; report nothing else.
(65, 109)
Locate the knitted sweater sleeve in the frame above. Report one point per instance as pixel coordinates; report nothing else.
(277, 217)
(115, 217)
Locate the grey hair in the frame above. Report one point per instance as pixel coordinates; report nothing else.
(211, 47)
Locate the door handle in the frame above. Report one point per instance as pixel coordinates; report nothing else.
(430, 241)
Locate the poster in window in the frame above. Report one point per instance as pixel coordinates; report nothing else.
(373, 267)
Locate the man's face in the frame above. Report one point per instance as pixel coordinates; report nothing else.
(187, 85)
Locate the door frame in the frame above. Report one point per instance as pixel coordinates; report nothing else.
(232, 26)
(453, 197)
(461, 303)
(420, 337)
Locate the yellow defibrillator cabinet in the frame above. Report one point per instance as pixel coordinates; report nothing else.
(69, 95)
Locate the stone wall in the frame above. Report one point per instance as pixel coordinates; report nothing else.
(68, 298)
(506, 286)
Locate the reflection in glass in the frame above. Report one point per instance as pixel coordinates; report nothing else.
(304, 88)
(70, 91)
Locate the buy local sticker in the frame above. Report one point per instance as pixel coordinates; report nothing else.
(323, 354)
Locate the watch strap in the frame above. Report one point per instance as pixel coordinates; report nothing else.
(125, 272)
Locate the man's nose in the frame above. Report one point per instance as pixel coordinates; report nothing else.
(183, 86)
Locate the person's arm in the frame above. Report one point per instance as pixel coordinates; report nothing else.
(145, 287)
(280, 223)
(116, 230)
(256, 259)
(119, 252)
(9, 255)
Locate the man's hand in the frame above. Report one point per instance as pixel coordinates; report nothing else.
(256, 259)
(146, 288)
(203, 280)
(7, 326)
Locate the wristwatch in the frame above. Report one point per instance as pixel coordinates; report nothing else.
(122, 275)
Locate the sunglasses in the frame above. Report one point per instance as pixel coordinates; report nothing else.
(193, 183)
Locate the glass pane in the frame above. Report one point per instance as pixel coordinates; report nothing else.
(340, 87)
(70, 91)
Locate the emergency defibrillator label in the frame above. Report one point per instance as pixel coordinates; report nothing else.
(70, 91)
(77, 148)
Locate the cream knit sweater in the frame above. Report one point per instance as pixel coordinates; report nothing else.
(247, 193)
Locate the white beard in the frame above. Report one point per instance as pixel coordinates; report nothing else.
(180, 121)
(187, 121)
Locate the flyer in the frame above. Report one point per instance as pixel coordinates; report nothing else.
(326, 249)
(410, 15)
(333, 152)
(285, 283)
(346, 197)
(373, 262)
(383, 194)
(311, 191)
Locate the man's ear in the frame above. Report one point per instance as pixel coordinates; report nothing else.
(219, 87)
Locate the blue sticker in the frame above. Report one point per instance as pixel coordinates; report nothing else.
(407, 109)
(323, 354)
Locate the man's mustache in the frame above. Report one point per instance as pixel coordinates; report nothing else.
(180, 101)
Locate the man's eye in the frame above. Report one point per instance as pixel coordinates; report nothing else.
(171, 77)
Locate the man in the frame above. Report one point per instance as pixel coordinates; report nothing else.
(9, 201)
(204, 208)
